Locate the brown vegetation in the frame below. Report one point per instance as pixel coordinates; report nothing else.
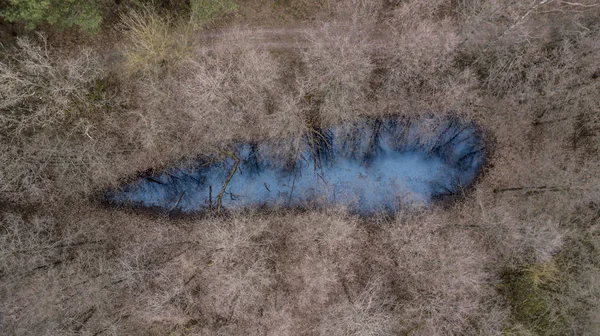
(518, 254)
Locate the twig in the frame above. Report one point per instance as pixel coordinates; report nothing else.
(153, 180)
(64, 245)
(489, 44)
(233, 170)
(86, 317)
(322, 179)
(101, 331)
(578, 4)
(293, 186)
(542, 188)
(344, 286)
(177, 203)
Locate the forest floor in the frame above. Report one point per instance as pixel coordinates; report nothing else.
(516, 254)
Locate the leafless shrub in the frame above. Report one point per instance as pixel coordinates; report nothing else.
(221, 92)
(40, 88)
(46, 99)
(62, 135)
(441, 272)
(526, 74)
(229, 90)
(338, 65)
(46, 267)
(357, 12)
(307, 273)
(240, 275)
(371, 313)
(419, 65)
(530, 47)
(420, 10)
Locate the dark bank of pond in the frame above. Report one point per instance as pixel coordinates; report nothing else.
(371, 165)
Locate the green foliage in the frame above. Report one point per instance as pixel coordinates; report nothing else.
(207, 11)
(531, 292)
(557, 297)
(63, 13)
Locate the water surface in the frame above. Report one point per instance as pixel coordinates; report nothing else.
(370, 165)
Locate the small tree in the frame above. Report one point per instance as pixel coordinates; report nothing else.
(63, 13)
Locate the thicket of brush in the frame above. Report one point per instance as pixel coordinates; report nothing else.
(518, 254)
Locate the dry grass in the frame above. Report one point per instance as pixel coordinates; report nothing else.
(153, 43)
(517, 255)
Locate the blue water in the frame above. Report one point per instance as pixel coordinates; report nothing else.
(371, 165)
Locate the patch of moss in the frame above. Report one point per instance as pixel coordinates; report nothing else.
(532, 293)
(205, 12)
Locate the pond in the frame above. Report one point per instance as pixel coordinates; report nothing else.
(371, 165)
